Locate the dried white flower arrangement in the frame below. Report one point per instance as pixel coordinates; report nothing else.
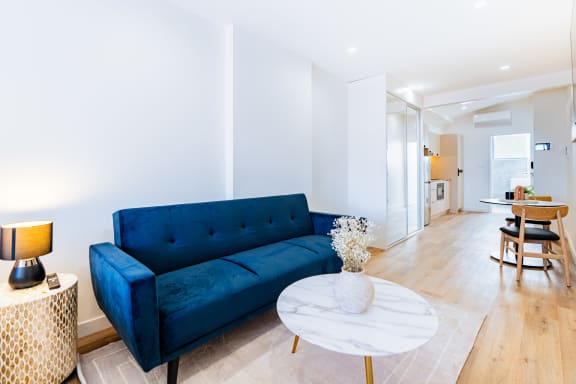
(350, 237)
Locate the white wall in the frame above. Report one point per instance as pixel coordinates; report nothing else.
(105, 105)
(434, 142)
(115, 104)
(552, 125)
(571, 222)
(110, 105)
(367, 151)
(554, 170)
(272, 119)
(477, 150)
(330, 147)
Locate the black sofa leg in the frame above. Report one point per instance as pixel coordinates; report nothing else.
(172, 376)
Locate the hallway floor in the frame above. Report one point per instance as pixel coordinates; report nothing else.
(529, 335)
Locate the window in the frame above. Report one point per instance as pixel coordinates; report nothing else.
(511, 146)
(510, 163)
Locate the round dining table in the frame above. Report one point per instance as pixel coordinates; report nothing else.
(509, 257)
(538, 203)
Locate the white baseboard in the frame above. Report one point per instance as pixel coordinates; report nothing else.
(94, 325)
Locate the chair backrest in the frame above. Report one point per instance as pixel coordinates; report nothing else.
(540, 198)
(540, 213)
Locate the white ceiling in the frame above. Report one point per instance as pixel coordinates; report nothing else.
(448, 113)
(431, 46)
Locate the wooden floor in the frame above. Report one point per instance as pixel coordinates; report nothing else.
(529, 335)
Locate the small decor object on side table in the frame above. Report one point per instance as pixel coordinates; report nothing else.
(353, 290)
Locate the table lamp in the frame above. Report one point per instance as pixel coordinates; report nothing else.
(24, 242)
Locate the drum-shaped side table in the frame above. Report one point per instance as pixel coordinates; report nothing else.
(38, 331)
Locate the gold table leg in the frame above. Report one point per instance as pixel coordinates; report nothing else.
(367, 362)
(368, 365)
(295, 345)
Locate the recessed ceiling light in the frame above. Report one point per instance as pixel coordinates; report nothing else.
(505, 67)
(480, 4)
(352, 50)
(463, 106)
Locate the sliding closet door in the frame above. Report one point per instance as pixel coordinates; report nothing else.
(403, 170)
(396, 226)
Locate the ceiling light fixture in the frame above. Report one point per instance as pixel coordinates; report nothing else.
(463, 107)
(505, 67)
(352, 50)
(480, 4)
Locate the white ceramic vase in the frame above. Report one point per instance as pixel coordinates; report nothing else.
(353, 291)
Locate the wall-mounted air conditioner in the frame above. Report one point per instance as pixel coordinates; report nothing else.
(492, 119)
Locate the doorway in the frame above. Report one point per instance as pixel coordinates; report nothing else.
(510, 163)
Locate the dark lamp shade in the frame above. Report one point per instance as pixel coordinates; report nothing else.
(25, 240)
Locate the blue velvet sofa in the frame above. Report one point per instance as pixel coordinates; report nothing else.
(179, 275)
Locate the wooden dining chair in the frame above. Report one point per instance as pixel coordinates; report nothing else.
(540, 198)
(524, 235)
(544, 223)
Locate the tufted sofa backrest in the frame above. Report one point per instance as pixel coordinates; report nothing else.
(167, 238)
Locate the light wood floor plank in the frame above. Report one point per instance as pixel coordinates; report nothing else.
(567, 323)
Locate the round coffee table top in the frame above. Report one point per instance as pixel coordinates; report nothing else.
(398, 320)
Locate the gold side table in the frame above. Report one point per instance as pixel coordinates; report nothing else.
(38, 330)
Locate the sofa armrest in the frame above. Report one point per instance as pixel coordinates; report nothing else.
(126, 291)
(323, 222)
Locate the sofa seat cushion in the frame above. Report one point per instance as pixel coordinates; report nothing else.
(321, 245)
(196, 300)
(278, 265)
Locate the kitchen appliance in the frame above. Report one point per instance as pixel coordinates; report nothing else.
(440, 191)
(427, 189)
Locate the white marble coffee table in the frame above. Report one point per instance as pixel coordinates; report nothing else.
(398, 320)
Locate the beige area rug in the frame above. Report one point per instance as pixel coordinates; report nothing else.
(259, 352)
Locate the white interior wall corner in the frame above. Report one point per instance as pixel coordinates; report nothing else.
(229, 110)
(272, 119)
(330, 148)
(367, 184)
